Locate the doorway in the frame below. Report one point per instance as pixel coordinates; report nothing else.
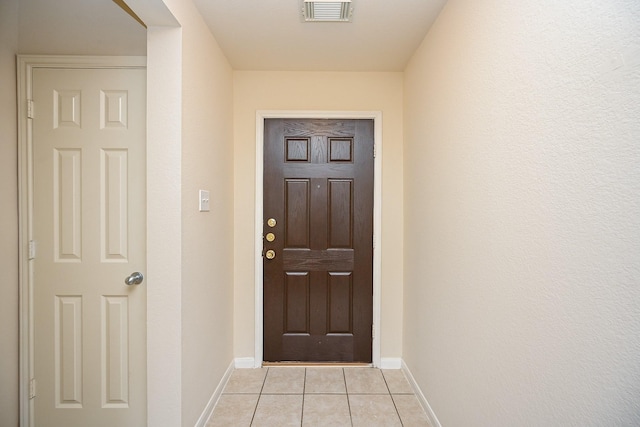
(83, 186)
(376, 118)
(318, 259)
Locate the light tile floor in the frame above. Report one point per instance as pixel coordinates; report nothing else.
(318, 396)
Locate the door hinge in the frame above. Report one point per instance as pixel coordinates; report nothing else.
(32, 388)
(374, 151)
(30, 108)
(32, 249)
(373, 332)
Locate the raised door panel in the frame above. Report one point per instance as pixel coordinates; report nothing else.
(340, 303)
(296, 303)
(115, 351)
(114, 210)
(297, 215)
(69, 351)
(67, 204)
(340, 213)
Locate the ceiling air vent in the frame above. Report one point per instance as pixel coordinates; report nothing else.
(327, 10)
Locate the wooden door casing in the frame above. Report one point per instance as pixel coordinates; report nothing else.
(318, 290)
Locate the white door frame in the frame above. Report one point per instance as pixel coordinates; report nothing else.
(261, 115)
(26, 65)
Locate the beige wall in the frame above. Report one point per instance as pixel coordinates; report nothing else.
(207, 237)
(522, 213)
(8, 215)
(78, 27)
(317, 91)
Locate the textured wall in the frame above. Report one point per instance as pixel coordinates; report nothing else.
(78, 27)
(320, 91)
(522, 213)
(207, 237)
(8, 215)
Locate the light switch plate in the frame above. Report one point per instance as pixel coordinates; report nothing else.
(204, 200)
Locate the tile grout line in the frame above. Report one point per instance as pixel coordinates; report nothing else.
(344, 378)
(259, 397)
(391, 396)
(304, 389)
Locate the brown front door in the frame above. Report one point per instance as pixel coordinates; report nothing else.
(318, 240)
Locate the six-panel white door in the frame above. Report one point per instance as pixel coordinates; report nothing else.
(89, 228)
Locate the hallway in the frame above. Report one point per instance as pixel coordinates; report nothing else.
(506, 227)
(318, 396)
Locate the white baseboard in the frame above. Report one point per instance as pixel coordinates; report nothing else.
(421, 398)
(390, 363)
(208, 410)
(245, 363)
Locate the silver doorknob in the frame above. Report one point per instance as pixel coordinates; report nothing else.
(134, 279)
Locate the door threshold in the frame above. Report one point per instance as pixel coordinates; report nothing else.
(318, 364)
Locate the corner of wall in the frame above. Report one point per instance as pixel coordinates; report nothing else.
(213, 400)
(433, 419)
(164, 237)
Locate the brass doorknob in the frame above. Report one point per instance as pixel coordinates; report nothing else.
(270, 237)
(271, 254)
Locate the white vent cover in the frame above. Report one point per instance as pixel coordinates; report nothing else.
(327, 10)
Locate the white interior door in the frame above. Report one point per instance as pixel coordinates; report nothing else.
(89, 228)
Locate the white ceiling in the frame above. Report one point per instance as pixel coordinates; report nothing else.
(270, 34)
